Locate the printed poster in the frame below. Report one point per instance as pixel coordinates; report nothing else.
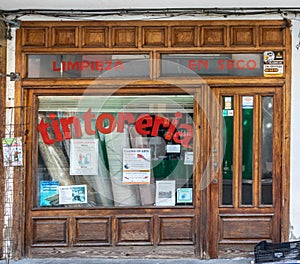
(136, 165)
(49, 193)
(12, 151)
(72, 194)
(273, 63)
(84, 156)
(165, 193)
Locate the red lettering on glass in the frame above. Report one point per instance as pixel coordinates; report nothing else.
(122, 117)
(107, 65)
(73, 66)
(106, 123)
(42, 128)
(251, 65)
(87, 117)
(119, 65)
(192, 65)
(159, 121)
(65, 122)
(173, 125)
(229, 65)
(56, 128)
(54, 67)
(100, 123)
(142, 122)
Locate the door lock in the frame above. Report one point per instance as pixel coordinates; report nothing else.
(215, 181)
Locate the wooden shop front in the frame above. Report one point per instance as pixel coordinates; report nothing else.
(153, 138)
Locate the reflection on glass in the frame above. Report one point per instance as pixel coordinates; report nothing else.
(228, 150)
(88, 65)
(80, 150)
(247, 139)
(212, 64)
(267, 150)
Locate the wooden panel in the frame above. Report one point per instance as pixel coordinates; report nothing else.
(271, 36)
(183, 36)
(213, 36)
(229, 251)
(119, 252)
(65, 36)
(124, 36)
(155, 36)
(49, 231)
(176, 230)
(35, 37)
(135, 230)
(242, 36)
(94, 37)
(245, 227)
(93, 231)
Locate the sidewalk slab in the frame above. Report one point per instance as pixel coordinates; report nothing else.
(125, 261)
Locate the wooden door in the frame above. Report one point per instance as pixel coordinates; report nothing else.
(246, 192)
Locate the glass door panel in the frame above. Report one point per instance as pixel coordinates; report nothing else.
(247, 149)
(267, 150)
(227, 165)
(247, 135)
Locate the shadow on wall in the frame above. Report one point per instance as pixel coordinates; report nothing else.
(292, 236)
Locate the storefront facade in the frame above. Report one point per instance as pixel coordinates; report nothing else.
(153, 138)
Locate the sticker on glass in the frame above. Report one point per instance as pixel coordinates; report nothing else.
(247, 102)
(228, 103)
(273, 63)
(227, 112)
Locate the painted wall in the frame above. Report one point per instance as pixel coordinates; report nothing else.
(295, 133)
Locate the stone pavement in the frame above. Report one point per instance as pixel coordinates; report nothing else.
(125, 261)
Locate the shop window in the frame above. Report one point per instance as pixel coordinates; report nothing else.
(115, 151)
(88, 65)
(212, 64)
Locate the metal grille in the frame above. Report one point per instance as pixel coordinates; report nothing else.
(13, 175)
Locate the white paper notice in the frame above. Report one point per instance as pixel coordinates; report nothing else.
(165, 193)
(173, 148)
(84, 157)
(188, 158)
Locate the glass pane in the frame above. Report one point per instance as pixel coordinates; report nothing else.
(267, 150)
(212, 64)
(115, 151)
(88, 66)
(227, 165)
(247, 139)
